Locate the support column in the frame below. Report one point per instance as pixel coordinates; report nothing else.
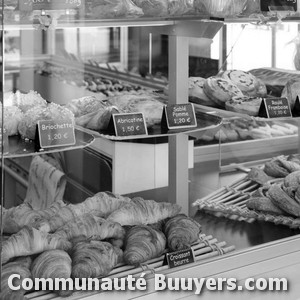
(178, 145)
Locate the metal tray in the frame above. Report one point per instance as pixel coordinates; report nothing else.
(205, 122)
(230, 202)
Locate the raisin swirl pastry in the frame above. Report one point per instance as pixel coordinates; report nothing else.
(245, 81)
(221, 90)
(245, 105)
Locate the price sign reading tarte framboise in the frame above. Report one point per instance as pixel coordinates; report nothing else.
(180, 258)
(275, 108)
(54, 134)
(128, 124)
(26, 5)
(179, 116)
(279, 5)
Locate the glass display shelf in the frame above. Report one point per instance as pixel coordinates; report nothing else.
(19, 147)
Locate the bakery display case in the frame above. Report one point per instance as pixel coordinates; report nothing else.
(73, 187)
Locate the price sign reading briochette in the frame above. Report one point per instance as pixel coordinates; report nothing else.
(129, 124)
(54, 134)
(50, 4)
(180, 116)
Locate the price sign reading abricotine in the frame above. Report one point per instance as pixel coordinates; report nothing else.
(129, 124)
(180, 116)
(275, 108)
(26, 5)
(180, 258)
(54, 134)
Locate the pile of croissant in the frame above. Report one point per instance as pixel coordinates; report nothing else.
(88, 239)
(279, 193)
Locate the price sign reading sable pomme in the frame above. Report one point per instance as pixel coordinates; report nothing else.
(180, 258)
(53, 134)
(275, 108)
(180, 116)
(129, 124)
(49, 4)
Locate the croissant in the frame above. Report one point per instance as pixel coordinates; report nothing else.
(140, 211)
(17, 217)
(101, 204)
(92, 259)
(52, 210)
(142, 243)
(89, 226)
(30, 241)
(53, 264)
(181, 232)
(20, 266)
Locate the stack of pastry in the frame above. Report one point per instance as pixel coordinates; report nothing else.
(88, 239)
(22, 111)
(240, 129)
(234, 90)
(281, 198)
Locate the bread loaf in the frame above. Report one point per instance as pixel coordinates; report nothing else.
(196, 92)
(221, 90)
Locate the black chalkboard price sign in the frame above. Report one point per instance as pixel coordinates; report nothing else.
(279, 5)
(128, 124)
(179, 116)
(55, 134)
(180, 258)
(275, 108)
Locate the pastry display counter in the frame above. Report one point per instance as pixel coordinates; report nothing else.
(148, 188)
